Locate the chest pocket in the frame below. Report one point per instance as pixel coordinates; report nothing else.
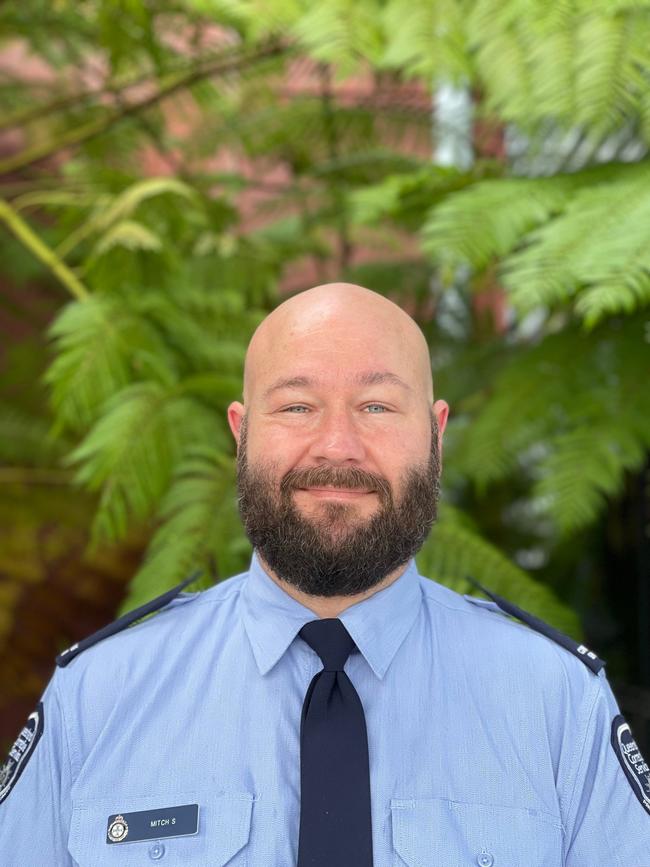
(430, 832)
(222, 838)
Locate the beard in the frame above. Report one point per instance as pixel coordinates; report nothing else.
(336, 552)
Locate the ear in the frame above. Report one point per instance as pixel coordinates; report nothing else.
(441, 412)
(236, 412)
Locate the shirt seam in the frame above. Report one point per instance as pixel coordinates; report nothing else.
(69, 749)
(200, 601)
(175, 607)
(580, 754)
(560, 651)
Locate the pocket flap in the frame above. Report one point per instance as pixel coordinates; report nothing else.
(430, 831)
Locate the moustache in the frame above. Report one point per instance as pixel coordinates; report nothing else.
(343, 478)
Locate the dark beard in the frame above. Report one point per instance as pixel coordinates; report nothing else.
(336, 554)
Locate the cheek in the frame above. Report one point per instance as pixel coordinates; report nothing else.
(276, 444)
(404, 449)
(400, 456)
(275, 449)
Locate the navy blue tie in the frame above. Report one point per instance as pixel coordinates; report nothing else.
(335, 821)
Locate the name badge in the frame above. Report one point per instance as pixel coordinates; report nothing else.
(153, 824)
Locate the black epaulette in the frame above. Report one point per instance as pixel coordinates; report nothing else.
(122, 622)
(587, 656)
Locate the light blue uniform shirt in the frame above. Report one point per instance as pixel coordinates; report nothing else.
(489, 744)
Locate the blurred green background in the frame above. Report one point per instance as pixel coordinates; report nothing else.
(169, 171)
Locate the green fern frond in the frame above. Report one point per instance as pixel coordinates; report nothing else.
(257, 19)
(427, 39)
(576, 67)
(60, 198)
(581, 237)
(99, 345)
(128, 201)
(585, 467)
(128, 455)
(341, 33)
(455, 551)
(111, 211)
(129, 234)
(489, 219)
(601, 83)
(405, 197)
(199, 343)
(625, 293)
(199, 528)
(601, 242)
(501, 52)
(569, 414)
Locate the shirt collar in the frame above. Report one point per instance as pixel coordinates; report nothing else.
(378, 625)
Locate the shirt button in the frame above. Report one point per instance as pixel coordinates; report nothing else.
(485, 860)
(157, 851)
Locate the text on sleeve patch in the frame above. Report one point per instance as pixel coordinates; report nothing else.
(21, 752)
(634, 765)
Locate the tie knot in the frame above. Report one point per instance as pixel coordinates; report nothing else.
(331, 641)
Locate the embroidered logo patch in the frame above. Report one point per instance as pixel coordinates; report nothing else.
(634, 765)
(21, 752)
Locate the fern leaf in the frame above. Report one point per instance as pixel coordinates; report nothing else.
(568, 414)
(405, 197)
(341, 33)
(99, 344)
(127, 202)
(130, 453)
(455, 551)
(557, 63)
(584, 468)
(427, 39)
(199, 527)
(129, 234)
(489, 219)
(600, 240)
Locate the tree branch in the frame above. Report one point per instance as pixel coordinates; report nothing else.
(100, 125)
(41, 251)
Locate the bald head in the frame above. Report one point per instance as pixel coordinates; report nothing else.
(338, 443)
(332, 324)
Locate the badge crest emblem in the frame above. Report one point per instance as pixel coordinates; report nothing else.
(118, 829)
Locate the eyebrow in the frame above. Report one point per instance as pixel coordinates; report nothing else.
(370, 377)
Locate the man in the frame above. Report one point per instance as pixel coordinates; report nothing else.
(330, 706)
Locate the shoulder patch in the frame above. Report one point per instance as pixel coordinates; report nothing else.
(634, 766)
(21, 752)
(583, 653)
(124, 621)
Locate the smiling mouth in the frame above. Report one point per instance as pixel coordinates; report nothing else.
(337, 491)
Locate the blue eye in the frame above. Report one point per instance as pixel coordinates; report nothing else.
(372, 406)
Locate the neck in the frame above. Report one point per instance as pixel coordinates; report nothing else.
(329, 606)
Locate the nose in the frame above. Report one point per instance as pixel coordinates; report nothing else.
(337, 439)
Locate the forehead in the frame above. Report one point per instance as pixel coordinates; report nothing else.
(333, 352)
(360, 379)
